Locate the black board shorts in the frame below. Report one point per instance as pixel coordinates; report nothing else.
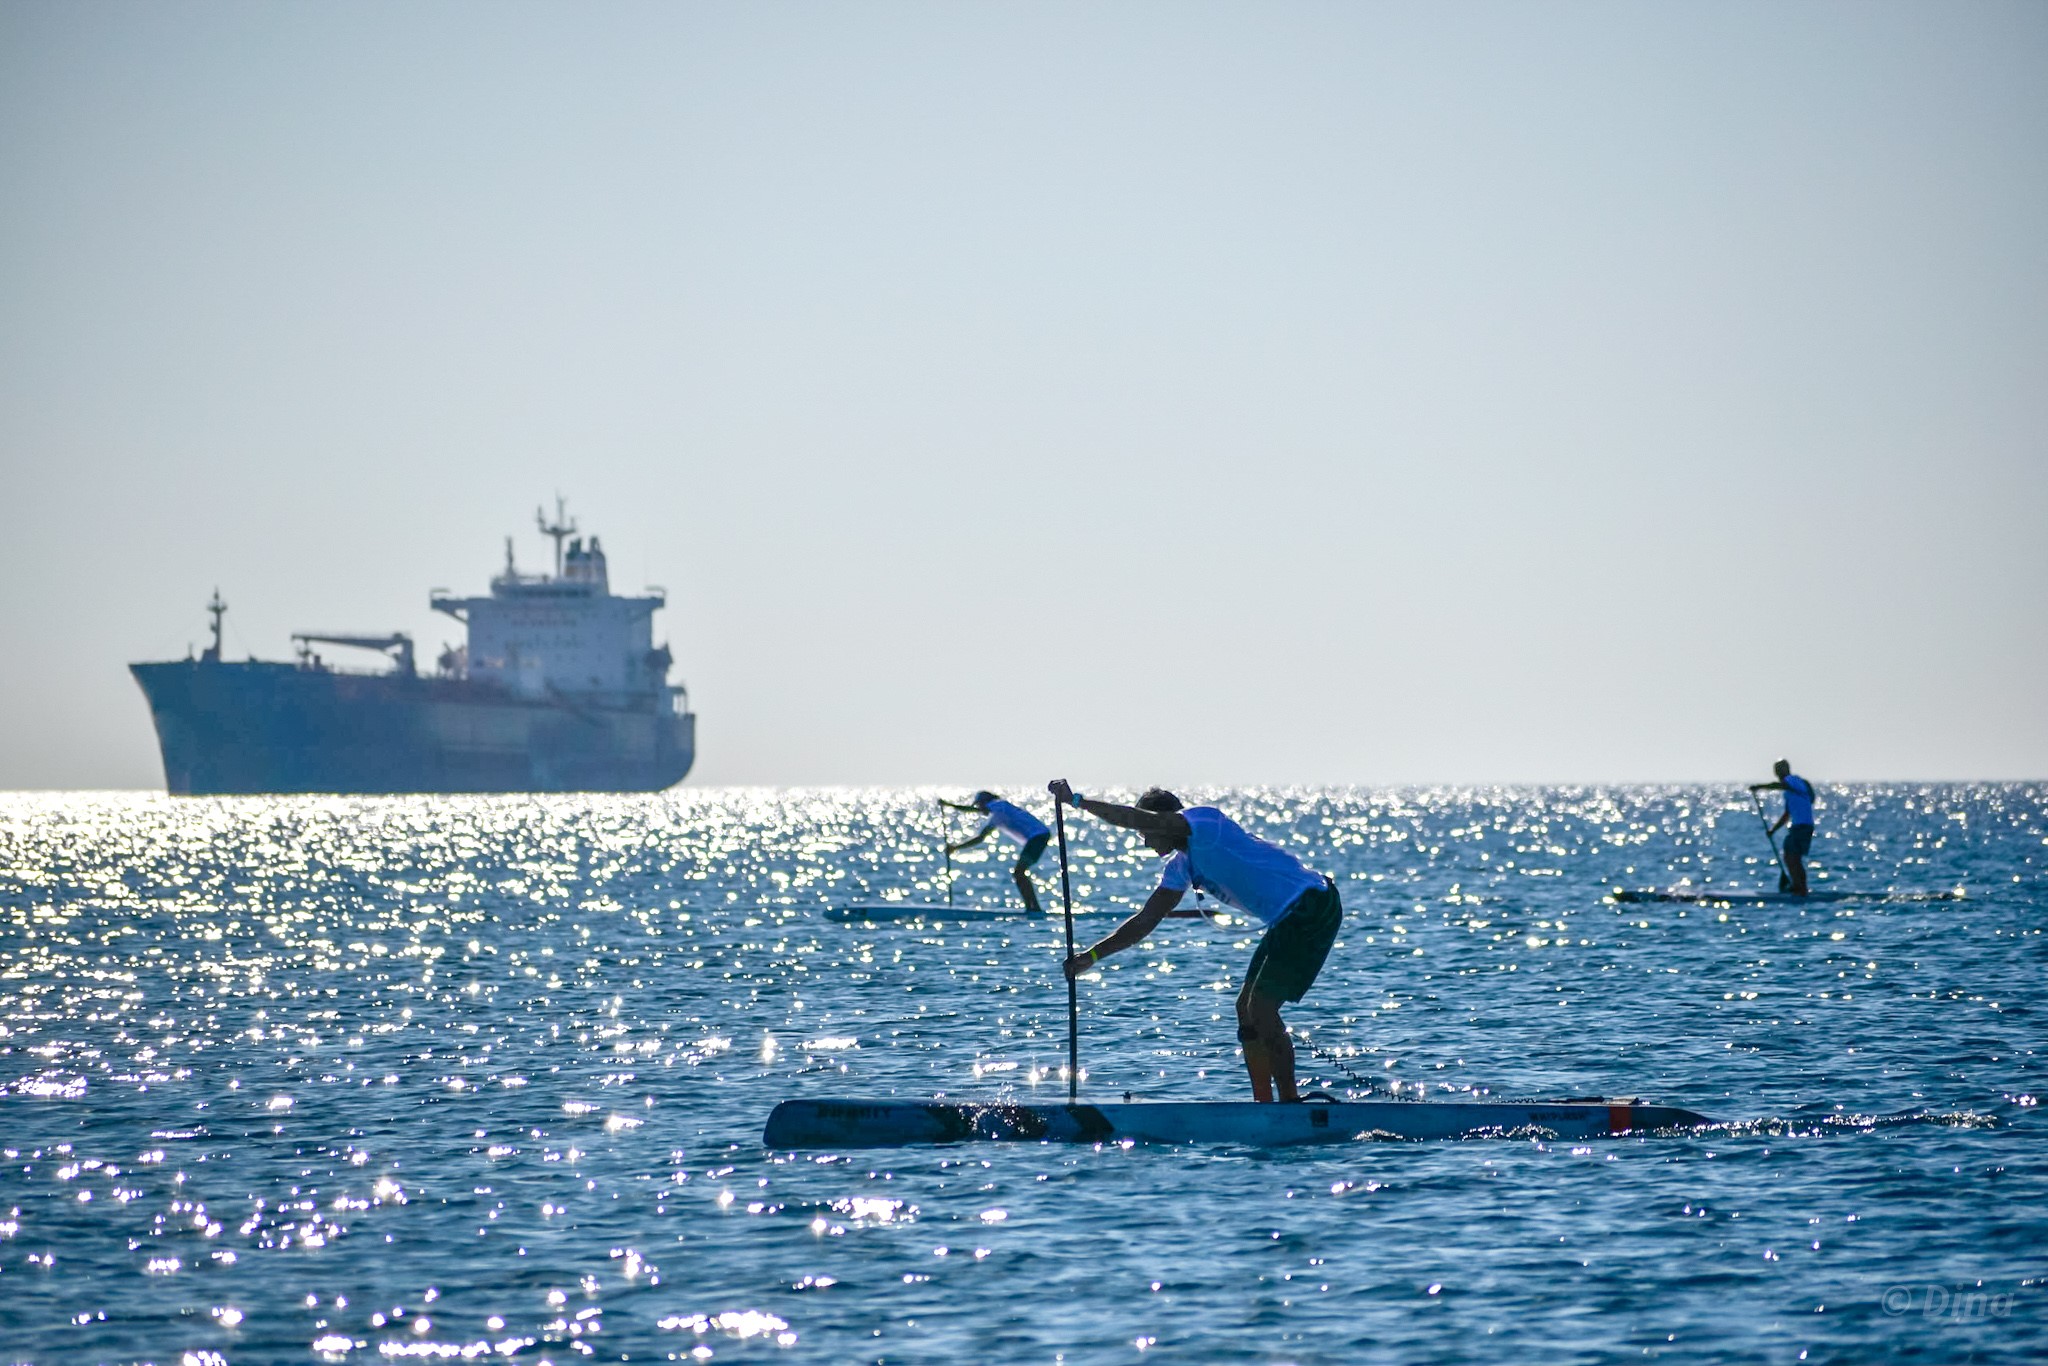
(1798, 841)
(1287, 960)
(1028, 855)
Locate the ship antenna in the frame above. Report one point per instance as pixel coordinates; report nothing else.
(563, 528)
(219, 609)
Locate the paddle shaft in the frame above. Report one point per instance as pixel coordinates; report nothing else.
(1059, 820)
(946, 843)
(1784, 873)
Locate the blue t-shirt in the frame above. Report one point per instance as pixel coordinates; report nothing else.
(1014, 821)
(1798, 799)
(1239, 870)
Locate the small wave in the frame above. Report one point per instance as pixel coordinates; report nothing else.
(46, 1087)
(1837, 1122)
(1523, 1132)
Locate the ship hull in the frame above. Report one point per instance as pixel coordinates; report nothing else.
(268, 728)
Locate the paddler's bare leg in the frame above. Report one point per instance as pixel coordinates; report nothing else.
(1021, 873)
(1023, 880)
(1268, 1052)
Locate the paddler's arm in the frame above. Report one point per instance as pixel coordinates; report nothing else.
(954, 806)
(1132, 931)
(1774, 787)
(1171, 824)
(972, 840)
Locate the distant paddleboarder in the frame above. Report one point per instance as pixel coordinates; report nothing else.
(1799, 815)
(1207, 851)
(1020, 825)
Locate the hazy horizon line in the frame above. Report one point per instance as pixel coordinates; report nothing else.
(1510, 784)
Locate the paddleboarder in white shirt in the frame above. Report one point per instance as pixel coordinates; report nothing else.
(1021, 826)
(1799, 815)
(1207, 851)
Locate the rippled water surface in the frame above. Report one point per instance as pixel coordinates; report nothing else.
(292, 1079)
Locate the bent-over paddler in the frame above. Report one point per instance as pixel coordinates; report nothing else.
(1207, 851)
(1020, 825)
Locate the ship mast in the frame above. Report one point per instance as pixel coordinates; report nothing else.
(219, 609)
(562, 529)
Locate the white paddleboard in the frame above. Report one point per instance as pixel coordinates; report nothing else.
(1707, 895)
(882, 912)
(889, 1124)
(885, 911)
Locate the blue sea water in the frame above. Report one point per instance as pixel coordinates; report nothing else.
(361, 1080)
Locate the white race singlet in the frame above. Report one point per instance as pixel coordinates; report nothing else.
(1239, 870)
(1014, 821)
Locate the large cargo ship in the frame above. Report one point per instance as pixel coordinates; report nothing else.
(559, 687)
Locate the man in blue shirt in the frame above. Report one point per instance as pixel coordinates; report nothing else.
(1021, 826)
(1799, 815)
(1207, 851)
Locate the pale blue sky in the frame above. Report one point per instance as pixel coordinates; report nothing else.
(1176, 392)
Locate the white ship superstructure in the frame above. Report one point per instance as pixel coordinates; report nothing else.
(540, 635)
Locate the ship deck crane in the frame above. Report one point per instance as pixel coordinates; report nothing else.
(398, 644)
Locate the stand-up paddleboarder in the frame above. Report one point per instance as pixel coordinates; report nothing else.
(1020, 825)
(1207, 851)
(1799, 815)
